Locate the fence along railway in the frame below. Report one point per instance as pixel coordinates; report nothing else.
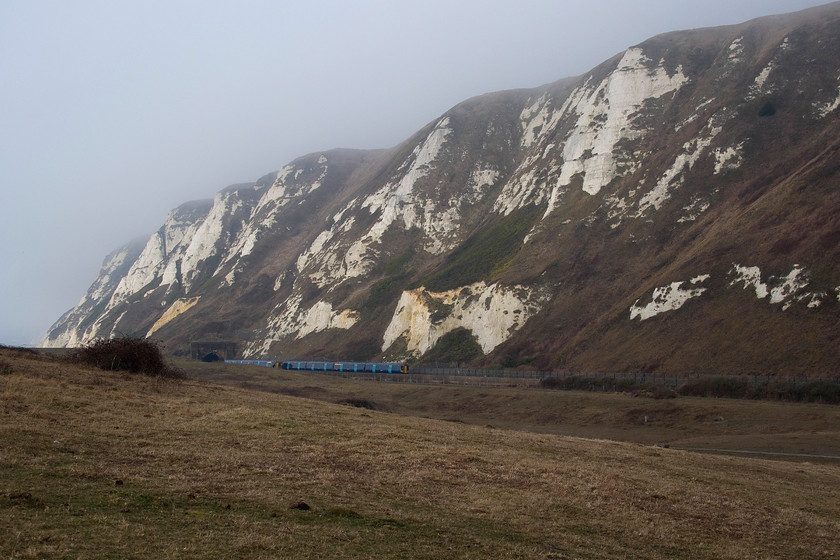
(821, 390)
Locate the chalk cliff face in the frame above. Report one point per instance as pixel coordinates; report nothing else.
(675, 209)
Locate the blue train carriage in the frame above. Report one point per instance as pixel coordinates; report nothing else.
(264, 363)
(371, 367)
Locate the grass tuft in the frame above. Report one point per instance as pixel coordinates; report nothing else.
(360, 403)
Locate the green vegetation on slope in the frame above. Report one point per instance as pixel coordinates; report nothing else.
(486, 254)
(458, 345)
(387, 290)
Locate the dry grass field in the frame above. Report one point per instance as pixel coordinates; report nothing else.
(98, 464)
(765, 427)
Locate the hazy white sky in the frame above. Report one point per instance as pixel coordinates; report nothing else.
(113, 113)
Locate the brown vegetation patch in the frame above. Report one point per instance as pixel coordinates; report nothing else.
(134, 355)
(212, 471)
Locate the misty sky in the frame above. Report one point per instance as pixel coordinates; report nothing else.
(113, 113)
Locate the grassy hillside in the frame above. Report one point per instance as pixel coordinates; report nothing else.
(101, 465)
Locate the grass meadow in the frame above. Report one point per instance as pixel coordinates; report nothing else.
(244, 462)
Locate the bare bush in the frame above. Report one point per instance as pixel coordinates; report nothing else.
(135, 355)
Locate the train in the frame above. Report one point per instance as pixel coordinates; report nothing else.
(266, 363)
(370, 367)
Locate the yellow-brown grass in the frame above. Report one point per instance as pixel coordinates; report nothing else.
(103, 465)
(760, 426)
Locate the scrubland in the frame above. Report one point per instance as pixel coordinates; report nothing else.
(97, 464)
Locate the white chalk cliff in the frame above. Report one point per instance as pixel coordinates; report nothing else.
(688, 184)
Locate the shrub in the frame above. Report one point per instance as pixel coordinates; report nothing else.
(820, 390)
(584, 383)
(359, 403)
(135, 355)
(609, 384)
(767, 110)
(459, 345)
(19, 349)
(654, 391)
(826, 391)
(725, 387)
